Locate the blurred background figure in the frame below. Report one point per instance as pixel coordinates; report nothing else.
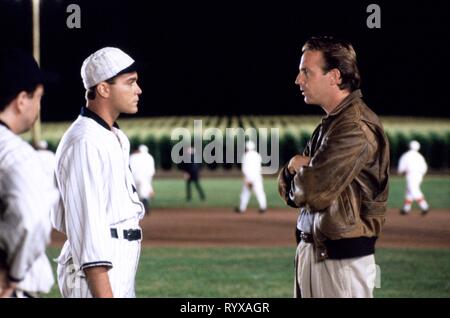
(142, 166)
(251, 169)
(47, 158)
(413, 166)
(192, 175)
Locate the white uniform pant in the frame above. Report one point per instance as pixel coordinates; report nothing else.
(258, 189)
(143, 188)
(346, 278)
(72, 281)
(413, 191)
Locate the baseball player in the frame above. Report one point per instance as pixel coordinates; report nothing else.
(26, 193)
(142, 166)
(101, 207)
(251, 169)
(413, 165)
(192, 175)
(47, 158)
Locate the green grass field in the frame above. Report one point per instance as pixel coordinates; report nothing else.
(170, 193)
(268, 273)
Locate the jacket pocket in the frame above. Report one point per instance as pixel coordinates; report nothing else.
(347, 208)
(337, 219)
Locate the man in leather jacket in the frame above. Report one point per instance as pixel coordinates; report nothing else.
(340, 183)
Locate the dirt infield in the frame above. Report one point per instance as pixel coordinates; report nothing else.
(222, 227)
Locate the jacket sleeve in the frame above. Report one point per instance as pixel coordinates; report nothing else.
(340, 157)
(285, 179)
(284, 185)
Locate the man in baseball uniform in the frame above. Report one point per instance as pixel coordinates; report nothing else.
(413, 165)
(26, 193)
(251, 170)
(142, 166)
(101, 207)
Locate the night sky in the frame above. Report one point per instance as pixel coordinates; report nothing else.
(240, 57)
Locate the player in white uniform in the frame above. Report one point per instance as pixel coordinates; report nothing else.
(143, 168)
(101, 208)
(251, 169)
(26, 194)
(413, 165)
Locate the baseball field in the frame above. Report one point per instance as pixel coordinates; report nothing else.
(204, 249)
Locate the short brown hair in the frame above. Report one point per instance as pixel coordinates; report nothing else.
(337, 54)
(91, 92)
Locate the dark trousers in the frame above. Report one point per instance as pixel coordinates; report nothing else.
(197, 185)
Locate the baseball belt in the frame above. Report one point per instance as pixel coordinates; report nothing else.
(130, 235)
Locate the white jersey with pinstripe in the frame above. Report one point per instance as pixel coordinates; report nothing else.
(26, 198)
(98, 194)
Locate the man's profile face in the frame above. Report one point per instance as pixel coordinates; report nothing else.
(125, 93)
(313, 83)
(32, 107)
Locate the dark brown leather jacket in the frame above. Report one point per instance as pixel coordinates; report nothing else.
(345, 184)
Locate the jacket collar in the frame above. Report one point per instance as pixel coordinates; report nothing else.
(90, 114)
(345, 102)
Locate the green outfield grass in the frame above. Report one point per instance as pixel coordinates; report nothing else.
(268, 272)
(224, 192)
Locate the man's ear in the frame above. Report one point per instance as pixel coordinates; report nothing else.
(335, 76)
(20, 102)
(103, 89)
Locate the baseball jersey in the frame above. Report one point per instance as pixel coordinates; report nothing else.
(251, 166)
(143, 168)
(26, 198)
(98, 196)
(412, 163)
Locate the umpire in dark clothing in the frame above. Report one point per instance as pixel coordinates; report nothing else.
(191, 174)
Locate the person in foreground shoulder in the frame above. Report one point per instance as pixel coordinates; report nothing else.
(101, 207)
(27, 194)
(340, 182)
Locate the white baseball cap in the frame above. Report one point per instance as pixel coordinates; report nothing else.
(414, 145)
(250, 145)
(42, 144)
(143, 148)
(104, 64)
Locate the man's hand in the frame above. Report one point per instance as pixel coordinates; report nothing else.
(296, 162)
(248, 184)
(98, 281)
